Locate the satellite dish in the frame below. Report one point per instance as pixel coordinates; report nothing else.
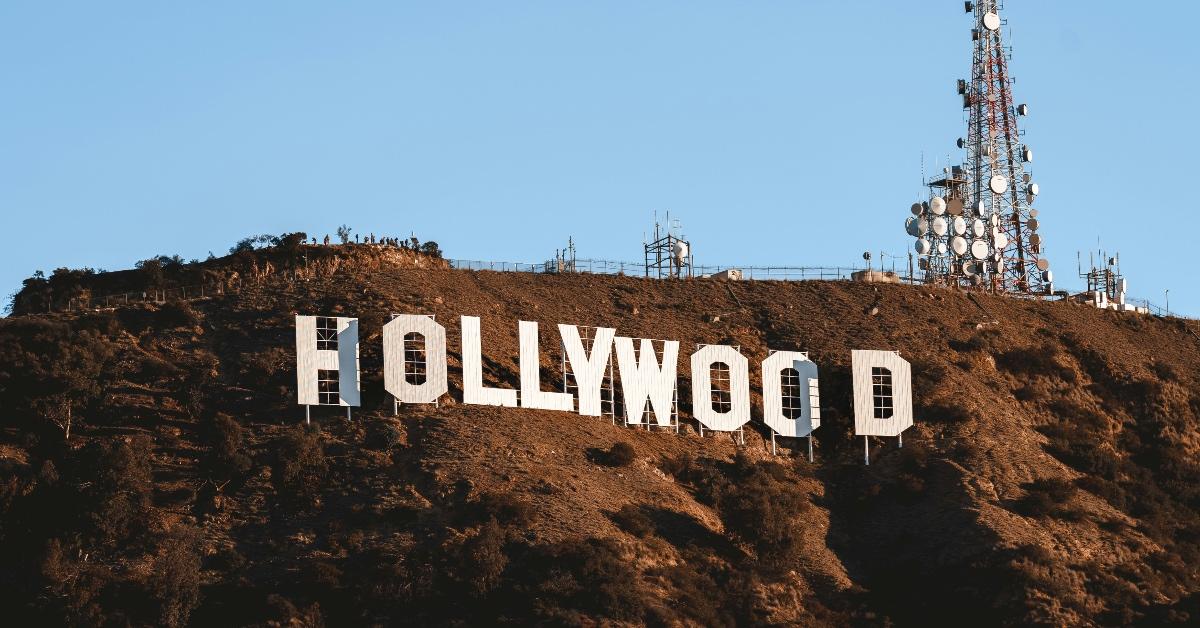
(968, 269)
(979, 249)
(922, 226)
(1035, 239)
(979, 208)
(991, 21)
(960, 226)
(679, 251)
(997, 256)
(941, 248)
(1032, 223)
(1121, 285)
(994, 220)
(939, 226)
(1027, 177)
(1043, 264)
(1001, 240)
(998, 265)
(910, 226)
(954, 207)
(922, 247)
(1029, 198)
(1033, 189)
(937, 205)
(1048, 276)
(978, 228)
(962, 143)
(998, 184)
(916, 209)
(1027, 154)
(958, 245)
(1033, 213)
(1022, 109)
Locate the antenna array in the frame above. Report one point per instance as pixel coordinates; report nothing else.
(979, 227)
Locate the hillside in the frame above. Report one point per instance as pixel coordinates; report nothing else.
(1051, 478)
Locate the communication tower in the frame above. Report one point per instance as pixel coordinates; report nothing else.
(564, 259)
(1105, 285)
(979, 227)
(668, 254)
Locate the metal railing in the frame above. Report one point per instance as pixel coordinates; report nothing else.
(154, 295)
(638, 269)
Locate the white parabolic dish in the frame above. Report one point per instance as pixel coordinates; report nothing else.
(999, 184)
(939, 226)
(922, 247)
(979, 249)
(960, 226)
(991, 21)
(937, 205)
(959, 245)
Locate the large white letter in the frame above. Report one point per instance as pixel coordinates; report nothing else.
(643, 378)
(532, 395)
(739, 388)
(882, 393)
(327, 361)
(806, 390)
(433, 336)
(474, 392)
(588, 369)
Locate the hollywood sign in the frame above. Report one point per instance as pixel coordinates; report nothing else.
(327, 374)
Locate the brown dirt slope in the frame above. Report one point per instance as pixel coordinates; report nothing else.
(1051, 476)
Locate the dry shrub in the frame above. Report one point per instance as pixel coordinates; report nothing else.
(300, 463)
(227, 458)
(176, 582)
(631, 519)
(505, 508)
(1032, 361)
(1048, 498)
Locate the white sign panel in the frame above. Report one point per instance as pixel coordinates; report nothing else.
(806, 393)
(474, 392)
(395, 375)
(643, 378)
(882, 393)
(588, 369)
(327, 361)
(532, 395)
(739, 388)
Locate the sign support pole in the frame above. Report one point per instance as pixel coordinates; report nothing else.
(867, 450)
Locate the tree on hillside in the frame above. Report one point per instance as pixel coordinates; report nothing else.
(50, 372)
(343, 233)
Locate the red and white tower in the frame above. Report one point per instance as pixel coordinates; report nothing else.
(979, 227)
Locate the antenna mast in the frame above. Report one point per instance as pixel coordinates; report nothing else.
(979, 227)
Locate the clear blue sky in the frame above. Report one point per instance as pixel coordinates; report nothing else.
(779, 132)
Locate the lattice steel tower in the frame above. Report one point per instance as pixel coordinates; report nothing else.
(979, 227)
